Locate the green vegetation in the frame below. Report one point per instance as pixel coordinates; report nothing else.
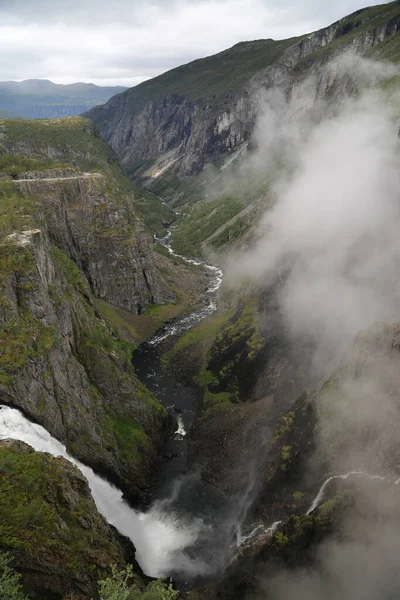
(70, 270)
(122, 586)
(32, 517)
(224, 218)
(286, 456)
(99, 339)
(74, 141)
(280, 539)
(152, 211)
(21, 336)
(358, 23)
(215, 76)
(232, 232)
(10, 581)
(285, 426)
(132, 441)
(117, 321)
(205, 332)
(221, 401)
(18, 163)
(16, 211)
(298, 497)
(203, 222)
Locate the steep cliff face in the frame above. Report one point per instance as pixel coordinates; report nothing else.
(63, 367)
(71, 251)
(171, 127)
(51, 527)
(96, 227)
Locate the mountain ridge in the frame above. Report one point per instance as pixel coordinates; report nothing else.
(171, 127)
(41, 98)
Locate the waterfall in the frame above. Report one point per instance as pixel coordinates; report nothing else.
(159, 539)
(258, 530)
(321, 494)
(181, 427)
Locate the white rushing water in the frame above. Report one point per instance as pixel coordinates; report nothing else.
(181, 426)
(159, 539)
(257, 531)
(321, 494)
(196, 316)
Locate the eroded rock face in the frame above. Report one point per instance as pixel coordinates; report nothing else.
(51, 527)
(97, 228)
(66, 370)
(171, 133)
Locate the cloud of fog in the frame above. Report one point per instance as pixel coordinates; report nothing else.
(332, 233)
(331, 237)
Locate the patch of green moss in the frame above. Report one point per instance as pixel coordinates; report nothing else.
(286, 454)
(115, 322)
(130, 437)
(298, 497)
(19, 163)
(100, 339)
(73, 140)
(285, 426)
(205, 332)
(32, 517)
(213, 402)
(16, 211)
(70, 270)
(280, 539)
(23, 337)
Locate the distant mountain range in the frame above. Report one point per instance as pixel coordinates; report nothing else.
(43, 99)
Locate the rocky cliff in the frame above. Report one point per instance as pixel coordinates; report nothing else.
(50, 525)
(95, 225)
(72, 253)
(204, 112)
(63, 366)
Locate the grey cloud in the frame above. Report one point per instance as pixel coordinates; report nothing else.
(127, 41)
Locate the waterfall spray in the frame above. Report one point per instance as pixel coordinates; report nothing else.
(159, 538)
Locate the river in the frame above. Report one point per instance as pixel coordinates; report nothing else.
(182, 532)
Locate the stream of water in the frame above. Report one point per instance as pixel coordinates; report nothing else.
(187, 531)
(185, 323)
(178, 534)
(160, 540)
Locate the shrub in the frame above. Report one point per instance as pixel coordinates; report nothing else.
(10, 586)
(119, 587)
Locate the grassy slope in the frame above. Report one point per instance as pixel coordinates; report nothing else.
(73, 141)
(358, 23)
(217, 77)
(226, 72)
(205, 224)
(32, 486)
(214, 76)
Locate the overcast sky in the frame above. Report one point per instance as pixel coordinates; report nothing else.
(124, 42)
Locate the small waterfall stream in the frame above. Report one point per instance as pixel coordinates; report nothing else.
(321, 494)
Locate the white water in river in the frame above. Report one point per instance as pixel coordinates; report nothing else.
(159, 539)
(196, 316)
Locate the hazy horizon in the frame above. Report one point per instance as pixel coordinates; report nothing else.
(130, 42)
